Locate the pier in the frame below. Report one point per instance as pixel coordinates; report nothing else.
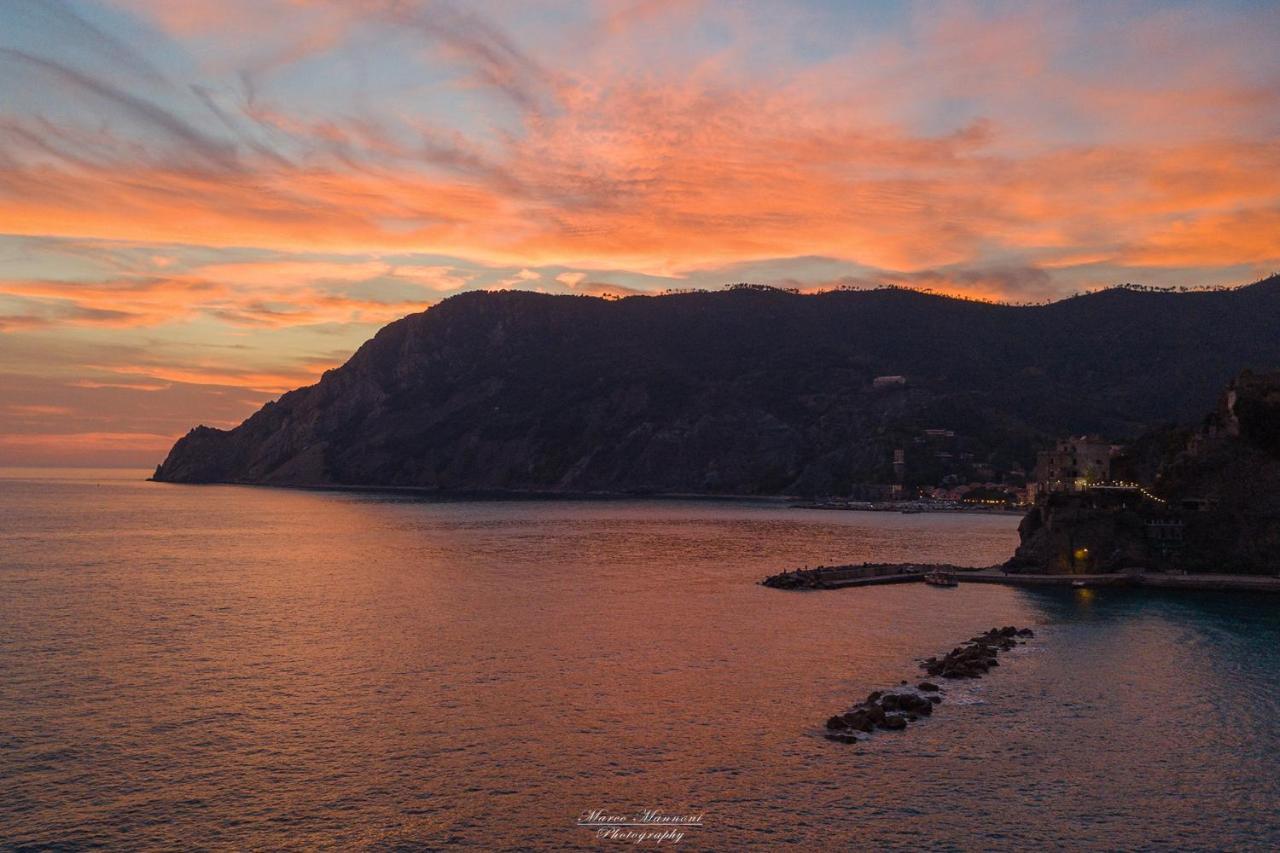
(877, 574)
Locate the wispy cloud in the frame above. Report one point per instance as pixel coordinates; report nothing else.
(281, 175)
(195, 144)
(262, 293)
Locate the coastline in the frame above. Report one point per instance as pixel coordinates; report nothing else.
(910, 508)
(791, 501)
(490, 494)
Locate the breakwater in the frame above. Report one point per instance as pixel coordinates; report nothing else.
(894, 710)
(865, 574)
(871, 574)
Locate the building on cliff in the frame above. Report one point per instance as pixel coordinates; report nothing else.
(1212, 503)
(1073, 464)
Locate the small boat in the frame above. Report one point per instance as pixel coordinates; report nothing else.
(1080, 584)
(941, 579)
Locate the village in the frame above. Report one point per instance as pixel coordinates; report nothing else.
(1073, 465)
(1182, 500)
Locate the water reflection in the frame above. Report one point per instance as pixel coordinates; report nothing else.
(255, 668)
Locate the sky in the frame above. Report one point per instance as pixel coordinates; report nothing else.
(209, 202)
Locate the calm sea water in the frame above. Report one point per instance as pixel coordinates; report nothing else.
(225, 667)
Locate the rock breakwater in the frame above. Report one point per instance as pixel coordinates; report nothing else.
(895, 709)
(833, 577)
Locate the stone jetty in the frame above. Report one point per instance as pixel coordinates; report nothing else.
(865, 574)
(894, 710)
(872, 574)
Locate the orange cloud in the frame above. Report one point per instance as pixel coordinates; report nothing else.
(668, 180)
(122, 303)
(999, 151)
(273, 382)
(126, 386)
(71, 442)
(36, 409)
(618, 163)
(1210, 240)
(271, 295)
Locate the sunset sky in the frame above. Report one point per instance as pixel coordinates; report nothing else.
(204, 203)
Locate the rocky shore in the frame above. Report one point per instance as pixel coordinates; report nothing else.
(893, 710)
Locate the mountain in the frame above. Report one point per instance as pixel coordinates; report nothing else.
(744, 391)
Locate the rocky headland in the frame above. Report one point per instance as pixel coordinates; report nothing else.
(747, 391)
(1210, 502)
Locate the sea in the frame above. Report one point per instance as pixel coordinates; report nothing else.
(229, 667)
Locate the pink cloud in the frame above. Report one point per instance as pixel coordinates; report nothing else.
(1002, 151)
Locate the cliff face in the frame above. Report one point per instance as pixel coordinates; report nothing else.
(1080, 534)
(748, 392)
(1229, 470)
(1219, 507)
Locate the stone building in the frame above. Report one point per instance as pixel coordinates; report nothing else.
(1073, 464)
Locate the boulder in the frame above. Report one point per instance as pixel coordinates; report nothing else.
(893, 723)
(837, 724)
(841, 737)
(859, 720)
(927, 687)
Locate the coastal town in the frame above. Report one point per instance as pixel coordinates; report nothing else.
(1179, 501)
(1073, 464)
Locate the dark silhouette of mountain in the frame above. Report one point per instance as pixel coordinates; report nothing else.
(743, 391)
